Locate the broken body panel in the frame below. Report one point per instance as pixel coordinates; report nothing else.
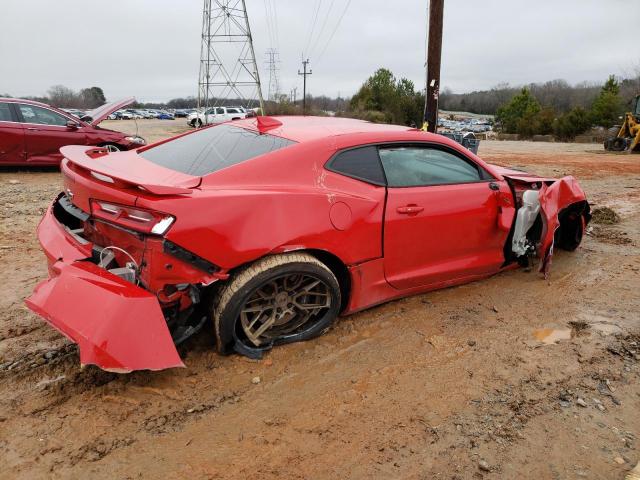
(237, 215)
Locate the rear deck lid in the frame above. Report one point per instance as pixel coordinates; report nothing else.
(129, 168)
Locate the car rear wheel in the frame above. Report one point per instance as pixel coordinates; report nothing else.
(278, 299)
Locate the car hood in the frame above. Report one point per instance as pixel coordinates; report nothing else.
(99, 114)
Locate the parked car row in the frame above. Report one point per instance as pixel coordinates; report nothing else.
(140, 114)
(32, 133)
(465, 125)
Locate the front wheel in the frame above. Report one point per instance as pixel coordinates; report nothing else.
(278, 299)
(112, 147)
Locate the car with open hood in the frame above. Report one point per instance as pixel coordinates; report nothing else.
(32, 133)
(267, 229)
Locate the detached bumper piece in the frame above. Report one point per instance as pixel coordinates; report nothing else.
(118, 326)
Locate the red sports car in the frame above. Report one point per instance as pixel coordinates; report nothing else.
(31, 133)
(272, 227)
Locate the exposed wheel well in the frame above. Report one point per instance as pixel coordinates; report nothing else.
(339, 269)
(570, 233)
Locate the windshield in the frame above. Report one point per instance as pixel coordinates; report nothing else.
(213, 149)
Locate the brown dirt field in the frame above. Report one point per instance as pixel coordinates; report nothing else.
(462, 383)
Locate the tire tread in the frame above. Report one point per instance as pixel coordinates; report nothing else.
(243, 276)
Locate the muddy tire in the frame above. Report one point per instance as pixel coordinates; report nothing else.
(276, 300)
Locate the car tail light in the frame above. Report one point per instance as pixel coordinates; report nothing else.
(142, 220)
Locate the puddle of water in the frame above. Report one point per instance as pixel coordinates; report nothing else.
(549, 336)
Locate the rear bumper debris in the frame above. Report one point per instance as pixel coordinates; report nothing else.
(117, 325)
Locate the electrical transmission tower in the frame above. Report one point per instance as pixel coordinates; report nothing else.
(274, 82)
(228, 70)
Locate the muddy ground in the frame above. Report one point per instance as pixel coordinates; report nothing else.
(461, 383)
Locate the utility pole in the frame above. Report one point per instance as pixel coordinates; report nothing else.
(434, 56)
(304, 74)
(228, 69)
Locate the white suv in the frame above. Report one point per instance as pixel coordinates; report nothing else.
(216, 115)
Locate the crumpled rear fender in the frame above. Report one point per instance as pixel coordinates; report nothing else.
(553, 199)
(117, 325)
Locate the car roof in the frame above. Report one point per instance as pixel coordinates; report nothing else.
(23, 100)
(304, 129)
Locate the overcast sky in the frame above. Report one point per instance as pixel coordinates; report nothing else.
(150, 48)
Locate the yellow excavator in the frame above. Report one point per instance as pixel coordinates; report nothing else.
(626, 137)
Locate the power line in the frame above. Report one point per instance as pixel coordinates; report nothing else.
(344, 12)
(270, 28)
(313, 27)
(321, 31)
(275, 21)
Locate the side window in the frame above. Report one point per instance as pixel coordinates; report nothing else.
(220, 111)
(42, 116)
(5, 113)
(232, 110)
(424, 166)
(360, 163)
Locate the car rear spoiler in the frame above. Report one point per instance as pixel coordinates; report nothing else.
(130, 169)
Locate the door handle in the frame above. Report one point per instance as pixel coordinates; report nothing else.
(410, 209)
(33, 129)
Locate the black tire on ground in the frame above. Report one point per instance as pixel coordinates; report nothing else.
(613, 142)
(613, 132)
(197, 123)
(258, 279)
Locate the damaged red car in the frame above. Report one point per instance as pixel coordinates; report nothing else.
(32, 133)
(273, 227)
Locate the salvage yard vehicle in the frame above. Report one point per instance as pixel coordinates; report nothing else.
(31, 133)
(271, 227)
(216, 115)
(626, 137)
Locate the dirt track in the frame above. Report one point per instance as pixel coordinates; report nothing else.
(452, 384)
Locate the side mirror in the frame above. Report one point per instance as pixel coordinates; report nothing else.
(72, 125)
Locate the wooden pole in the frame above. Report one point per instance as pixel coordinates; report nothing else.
(434, 56)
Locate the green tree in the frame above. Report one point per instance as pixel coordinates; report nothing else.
(520, 111)
(608, 106)
(382, 98)
(92, 97)
(572, 123)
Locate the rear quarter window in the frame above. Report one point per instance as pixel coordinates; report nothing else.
(361, 163)
(212, 149)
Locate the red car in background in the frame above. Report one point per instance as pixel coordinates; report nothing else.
(272, 227)
(32, 133)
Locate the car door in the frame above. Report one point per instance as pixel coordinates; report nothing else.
(46, 132)
(12, 150)
(442, 216)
